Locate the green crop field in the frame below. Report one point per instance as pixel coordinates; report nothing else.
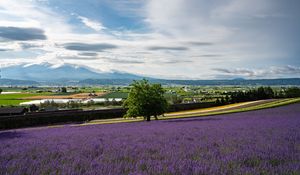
(11, 102)
(15, 99)
(17, 96)
(115, 95)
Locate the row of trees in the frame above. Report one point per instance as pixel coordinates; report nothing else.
(251, 95)
(75, 104)
(258, 94)
(289, 93)
(70, 104)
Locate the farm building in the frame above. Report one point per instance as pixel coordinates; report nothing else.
(5, 111)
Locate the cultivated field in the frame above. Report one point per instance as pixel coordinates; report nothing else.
(71, 96)
(15, 99)
(257, 142)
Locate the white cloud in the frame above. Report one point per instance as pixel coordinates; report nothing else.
(269, 72)
(95, 25)
(229, 26)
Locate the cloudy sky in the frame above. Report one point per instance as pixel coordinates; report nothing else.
(195, 39)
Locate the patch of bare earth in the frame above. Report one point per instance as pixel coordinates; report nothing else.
(73, 96)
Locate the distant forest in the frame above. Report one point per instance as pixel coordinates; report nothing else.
(260, 93)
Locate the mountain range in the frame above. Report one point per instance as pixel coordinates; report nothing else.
(46, 74)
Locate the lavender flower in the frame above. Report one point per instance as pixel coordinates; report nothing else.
(257, 142)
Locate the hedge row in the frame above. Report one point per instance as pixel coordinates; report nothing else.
(190, 106)
(36, 119)
(71, 116)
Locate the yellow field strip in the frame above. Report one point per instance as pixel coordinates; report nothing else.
(212, 109)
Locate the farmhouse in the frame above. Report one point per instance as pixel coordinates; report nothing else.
(5, 111)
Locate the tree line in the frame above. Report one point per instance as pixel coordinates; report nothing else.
(260, 93)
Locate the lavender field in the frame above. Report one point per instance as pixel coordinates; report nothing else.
(258, 142)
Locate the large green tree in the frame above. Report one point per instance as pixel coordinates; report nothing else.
(145, 100)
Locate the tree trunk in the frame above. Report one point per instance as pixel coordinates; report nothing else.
(148, 118)
(155, 117)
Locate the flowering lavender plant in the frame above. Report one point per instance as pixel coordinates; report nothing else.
(258, 142)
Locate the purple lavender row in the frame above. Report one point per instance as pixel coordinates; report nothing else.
(257, 142)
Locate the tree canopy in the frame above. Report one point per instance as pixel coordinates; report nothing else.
(255, 94)
(145, 100)
(64, 90)
(292, 92)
